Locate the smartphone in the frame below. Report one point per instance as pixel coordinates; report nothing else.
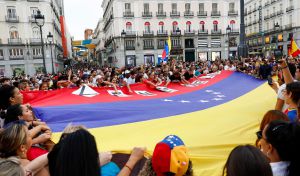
(270, 80)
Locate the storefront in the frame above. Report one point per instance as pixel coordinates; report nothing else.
(202, 56)
(149, 59)
(130, 61)
(215, 55)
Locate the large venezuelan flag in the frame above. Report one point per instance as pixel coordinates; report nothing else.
(211, 118)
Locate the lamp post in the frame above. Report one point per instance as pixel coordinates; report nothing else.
(228, 31)
(242, 48)
(276, 51)
(40, 21)
(50, 40)
(123, 34)
(178, 33)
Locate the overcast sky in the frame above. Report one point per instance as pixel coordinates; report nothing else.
(82, 14)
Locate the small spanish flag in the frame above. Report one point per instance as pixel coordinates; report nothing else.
(294, 50)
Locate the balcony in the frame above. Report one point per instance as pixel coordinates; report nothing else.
(188, 13)
(160, 46)
(202, 32)
(31, 18)
(130, 47)
(202, 13)
(234, 32)
(174, 14)
(273, 1)
(148, 47)
(16, 41)
(161, 14)
(215, 13)
(290, 8)
(267, 4)
(189, 32)
(130, 34)
(128, 14)
(289, 26)
(147, 14)
(148, 33)
(20, 57)
(280, 12)
(267, 17)
(12, 18)
(175, 33)
(177, 46)
(273, 15)
(37, 56)
(233, 13)
(216, 32)
(163, 33)
(35, 41)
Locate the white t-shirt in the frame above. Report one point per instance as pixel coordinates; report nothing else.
(280, 168)
(129, 80)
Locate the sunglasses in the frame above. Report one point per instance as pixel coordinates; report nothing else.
(259, 134)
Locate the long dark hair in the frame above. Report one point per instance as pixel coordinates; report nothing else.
(12, 114)
(6, 92)
(247, 160)
(294, 88)
(75, 155)
(284, 137)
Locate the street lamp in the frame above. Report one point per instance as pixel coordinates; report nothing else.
(123, 34)
(228, 31)
(276, 51)
(50, 40)
(40, 21)
(242, 48)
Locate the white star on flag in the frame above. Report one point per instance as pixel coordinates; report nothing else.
(166, 100)
(183, 101)
(217, 99)
(216, 93)
(209, 91)
(203, 101)
(221, 96)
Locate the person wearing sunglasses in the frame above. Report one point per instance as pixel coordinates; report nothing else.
(269, 117)
(279, 141)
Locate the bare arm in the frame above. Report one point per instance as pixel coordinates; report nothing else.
(136, 155)
(279, 104)
(288, 78)
(37, 164)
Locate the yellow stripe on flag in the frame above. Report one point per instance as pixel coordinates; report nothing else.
(169, 44)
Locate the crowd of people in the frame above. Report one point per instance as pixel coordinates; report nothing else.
(26, 147)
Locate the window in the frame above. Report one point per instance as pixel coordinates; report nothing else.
(13, 33)
(214, 7)
(215, 23)
(201, 7)
(188, 26)
(160, 8)
(232, 24)
(176, 42)
(274, 9)
(2, 70)
(202, 25)
(174, 8)
(11, 12)
(231, 7)
(146, 7)
(290, 19)
(1, 55)
(147, 27)
(128, 26)
(127, 7)
(33, 11)
(281, 7)
(129, 43)
(175, 26)
(161, 43)
(15, 52)
(36, 33)
(187, 7)
(148, 43)
(161, 26)
(37, 52)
